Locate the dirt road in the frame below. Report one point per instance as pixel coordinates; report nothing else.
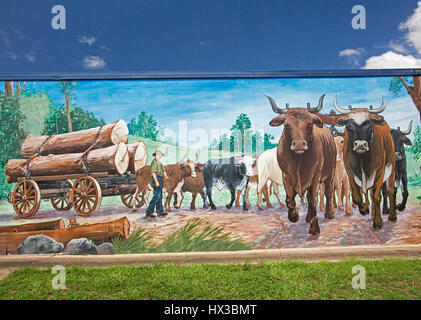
(263, 229)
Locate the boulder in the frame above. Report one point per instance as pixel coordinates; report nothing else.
(81, 246)
(106, 248)
(40, 244)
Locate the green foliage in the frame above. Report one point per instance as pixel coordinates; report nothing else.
(66, 87)
(145, 126)
(396, 85)
(81, 119)
(11, 136)
(185, 239)
(268, 142)
(416, 144)
(36, 107)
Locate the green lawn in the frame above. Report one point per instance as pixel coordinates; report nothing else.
(386, 279)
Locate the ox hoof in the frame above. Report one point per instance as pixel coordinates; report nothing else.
(393, 217)
(385, 211)
(329, 215)
(364, 211)
(348, 212)
(308, 217)
(377, 226)
(354, 205)
(260, 207)
(314, 227)
(213, 207)
(229, 206)
(293, 216)
(400, 207)
(245, 208)
(269, 205)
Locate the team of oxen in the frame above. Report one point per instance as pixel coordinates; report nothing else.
(364, 160)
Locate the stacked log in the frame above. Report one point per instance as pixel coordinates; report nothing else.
(138, 156)
(114, 160)
(76, 142)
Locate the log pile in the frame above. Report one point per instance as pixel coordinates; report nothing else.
(101, 149)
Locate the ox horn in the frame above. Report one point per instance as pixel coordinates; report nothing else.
(319, 106)
(275, 108)
(408, 131)
(197, 158)
(339, 109)
(381, 109)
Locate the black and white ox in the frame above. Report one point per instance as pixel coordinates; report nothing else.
(400, 139)
(232, 173)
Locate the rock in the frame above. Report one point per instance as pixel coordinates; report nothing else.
(106, 248)
(40, 244)
(81, 246)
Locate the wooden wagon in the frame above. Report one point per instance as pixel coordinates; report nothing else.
(77, 180)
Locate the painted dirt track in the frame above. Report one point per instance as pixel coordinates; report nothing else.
(262, 229)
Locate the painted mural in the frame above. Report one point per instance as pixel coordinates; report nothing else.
(203, 165)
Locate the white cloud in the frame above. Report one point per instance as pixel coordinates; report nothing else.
(413, 25)
(397, 47)
(392, 60)
(89, 40)
(353, 55)
(93, 62)
(30, 57)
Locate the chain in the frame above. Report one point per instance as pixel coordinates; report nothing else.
(85, 168)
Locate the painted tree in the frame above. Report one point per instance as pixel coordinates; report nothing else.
(242, 123)
(145, 126)
(8, 88)
(413, 87)
(67, 87)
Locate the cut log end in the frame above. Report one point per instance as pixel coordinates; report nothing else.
(140, 156)
(120, 132)
(122, 158)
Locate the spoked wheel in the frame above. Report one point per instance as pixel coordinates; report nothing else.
(63, 202)
(86, 196)
(128, 198)
(26, 198)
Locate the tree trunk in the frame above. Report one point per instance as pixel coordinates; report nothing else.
(8, 89)
(19, 88)
(114, 160)
(69, 119)
(77, 141)
(414, 92)
(138, 156)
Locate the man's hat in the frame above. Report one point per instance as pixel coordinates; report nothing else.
(158, 151)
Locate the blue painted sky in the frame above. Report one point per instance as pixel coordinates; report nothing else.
(206, 35)
(214, 104)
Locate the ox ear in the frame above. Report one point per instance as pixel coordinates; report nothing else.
(341, 121)
(317, 121)
(407, 141)
(277, 121)
(377, 119)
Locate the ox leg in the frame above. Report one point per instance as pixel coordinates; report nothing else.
(376, 199)
(205, 202)
(209, 194)
(338, 190)
(329, 188)
(134, 199)
(292, 209)
(311, 217)
(391, 192)
(232, 190)
(276, 193)
(237, 199)
(246, 203)
(266, 196)
(345, 184)
(193, 201)
(259, 200)
(175, 199)
(357, 198)
(322, 197)
(167, 205)
(405, 192)
(178, 205)
(146, 197)
(384, 194)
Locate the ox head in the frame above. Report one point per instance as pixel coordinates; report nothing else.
(359, 125)
(246, 164)
(400, 139)
(298, 124)
(189, 167)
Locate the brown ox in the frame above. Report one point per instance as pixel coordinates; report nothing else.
(369, 157)
(341, 180)
(143, 180)
(253, 182)
(306, 155)
(194, 186)
(177, 173)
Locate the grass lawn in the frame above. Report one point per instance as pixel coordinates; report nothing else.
(386, 279)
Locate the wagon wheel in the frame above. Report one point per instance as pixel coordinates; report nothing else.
(26, 198)
(128, 198)
(63, 202)
(86, 195)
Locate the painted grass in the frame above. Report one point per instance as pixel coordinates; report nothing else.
(386, 279)
(191, 237)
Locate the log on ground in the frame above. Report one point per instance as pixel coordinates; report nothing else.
(78, 141)
(114, 160)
